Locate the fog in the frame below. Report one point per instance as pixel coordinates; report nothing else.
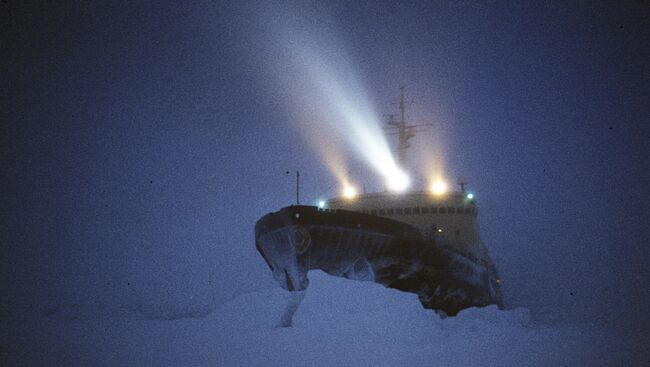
(141, 142)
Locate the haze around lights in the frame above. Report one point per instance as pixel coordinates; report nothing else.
(333, 107)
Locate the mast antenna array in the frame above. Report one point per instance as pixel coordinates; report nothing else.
(404, 131)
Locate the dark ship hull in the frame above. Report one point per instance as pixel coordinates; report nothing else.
(360, 246)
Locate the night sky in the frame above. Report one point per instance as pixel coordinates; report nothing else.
(140, 142)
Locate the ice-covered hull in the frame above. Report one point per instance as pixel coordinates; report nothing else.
(360, 246)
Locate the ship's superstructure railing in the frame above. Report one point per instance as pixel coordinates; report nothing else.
(449, 220)
(421, 210)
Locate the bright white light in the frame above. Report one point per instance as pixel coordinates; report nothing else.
(470, 196)
(332, 102)
(321, 204)
(337, 93)
(349, 192)
(398, 182)
(439, 188)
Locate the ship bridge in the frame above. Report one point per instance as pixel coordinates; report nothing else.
(449, 219)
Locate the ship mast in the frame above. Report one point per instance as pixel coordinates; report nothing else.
(404, 131)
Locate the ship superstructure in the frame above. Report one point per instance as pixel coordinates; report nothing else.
(449, 219)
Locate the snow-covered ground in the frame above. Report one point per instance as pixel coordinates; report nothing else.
(339, 323)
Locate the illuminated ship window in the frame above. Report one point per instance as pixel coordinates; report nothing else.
(407, 211)
(399, 211)
(425, 210)
(373, 212)
(442, 210)
(416, 210)
(382, 212)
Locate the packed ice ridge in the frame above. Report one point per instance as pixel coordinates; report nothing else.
(339, 322)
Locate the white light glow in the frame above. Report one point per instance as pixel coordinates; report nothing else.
(321, 204)
(470, 196)
(349, 192)
(439, 188)
(355, 120)
(398, 182)
(333, 105)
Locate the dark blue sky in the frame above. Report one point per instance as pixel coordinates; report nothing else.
(141, 142)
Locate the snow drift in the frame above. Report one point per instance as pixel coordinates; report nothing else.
(339, 323)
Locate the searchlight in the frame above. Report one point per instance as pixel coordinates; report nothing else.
(398, 182)
(349, 192)
(439, 188)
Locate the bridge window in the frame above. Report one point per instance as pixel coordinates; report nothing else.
(416, 210)
(382, 212)
(399, 211)
(442, 210)
(451, 209)
(457, 232)
(373, 211)
(389, 211)
(407, 211)
(425, 210)
(468, 210)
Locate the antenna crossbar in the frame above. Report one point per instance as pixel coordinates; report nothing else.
(404, 131)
